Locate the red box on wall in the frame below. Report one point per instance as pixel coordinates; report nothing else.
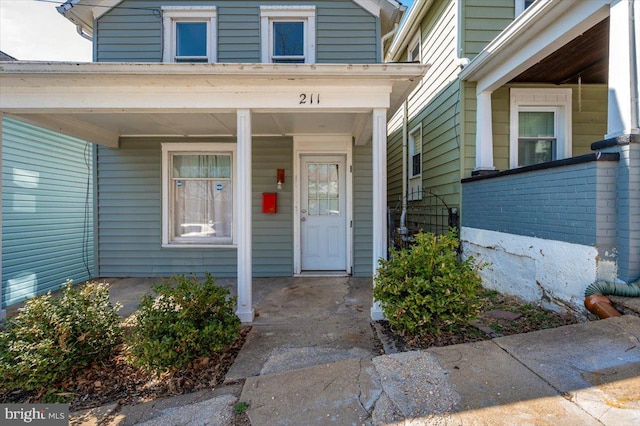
(269, 202)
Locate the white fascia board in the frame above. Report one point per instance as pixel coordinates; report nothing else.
(39, 87)
(273, 72)
(370, 6)
(408, 28)
(84, 12)
(543, 28)
(99, 8)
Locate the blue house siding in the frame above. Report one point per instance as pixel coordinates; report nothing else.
(47, 208)
(130, 214)
(362, 211)
(132, 32)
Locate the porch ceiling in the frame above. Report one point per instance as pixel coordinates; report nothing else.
(131, 124)
(585, 56)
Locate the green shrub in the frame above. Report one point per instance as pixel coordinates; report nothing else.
(53, 336)
(185, 319)
(426, 288)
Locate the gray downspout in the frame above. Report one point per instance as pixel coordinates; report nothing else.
(635, 108)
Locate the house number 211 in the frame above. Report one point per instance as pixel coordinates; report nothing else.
(309, 98)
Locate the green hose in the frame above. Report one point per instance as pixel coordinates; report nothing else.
(607, 288)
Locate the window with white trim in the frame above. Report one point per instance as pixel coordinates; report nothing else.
(288, 34)
(414, 51)
(198, 194)
(189, 34)
(540, 122)
(522, 5)
(414, 166)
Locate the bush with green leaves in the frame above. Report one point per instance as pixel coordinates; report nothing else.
(51, 337)
(185, 319)
(426, 288)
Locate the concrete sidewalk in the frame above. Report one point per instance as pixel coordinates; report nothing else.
(579, 374)
(311, 358)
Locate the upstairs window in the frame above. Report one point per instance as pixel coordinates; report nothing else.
(189, 34)
(414, 50)
(288, 34)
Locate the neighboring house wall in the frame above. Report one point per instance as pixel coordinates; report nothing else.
(552, 252)
(47, 206)
(433, 106)
(132, 32)
(482, 21)
(130, 218)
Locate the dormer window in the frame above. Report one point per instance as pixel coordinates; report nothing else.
(189, 34)
(288, 34)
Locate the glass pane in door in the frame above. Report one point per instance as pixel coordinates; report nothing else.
(323, 189)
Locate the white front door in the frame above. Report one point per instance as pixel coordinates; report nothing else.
(323, 215)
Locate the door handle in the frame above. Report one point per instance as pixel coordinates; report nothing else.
(303, 219)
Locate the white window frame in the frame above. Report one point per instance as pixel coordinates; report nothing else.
(519, 7)
(271, 14)
(169, 149)
(415, 180)
(174, 14)
(556, 100)
(416, 40)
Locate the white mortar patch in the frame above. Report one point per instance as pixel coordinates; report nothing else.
(554, 273)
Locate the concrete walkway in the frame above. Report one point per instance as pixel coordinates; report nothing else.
(311, 358)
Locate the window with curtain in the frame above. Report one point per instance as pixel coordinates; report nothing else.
(199, 197)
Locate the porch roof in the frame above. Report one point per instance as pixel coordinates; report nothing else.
(101, 102)
(523, 50)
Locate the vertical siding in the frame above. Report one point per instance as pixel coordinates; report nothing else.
(362, 214)
(133, 31)
(130, 216)
(47, 211)
(588, 116)
(482, 21)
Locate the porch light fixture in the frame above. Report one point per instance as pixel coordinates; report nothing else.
(280, 178)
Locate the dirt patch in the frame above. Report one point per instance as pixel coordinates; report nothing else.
(500, 315)
(116, 380)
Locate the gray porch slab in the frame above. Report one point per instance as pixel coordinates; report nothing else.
(595, 364)
(281, 347)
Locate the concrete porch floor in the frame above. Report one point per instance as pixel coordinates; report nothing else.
(300, 321)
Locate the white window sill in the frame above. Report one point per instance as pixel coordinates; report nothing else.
(200, 246)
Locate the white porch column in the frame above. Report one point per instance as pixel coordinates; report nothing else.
(2, 311)
(379, 142)
(484, 132)
(243, 219)
(624, 74)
